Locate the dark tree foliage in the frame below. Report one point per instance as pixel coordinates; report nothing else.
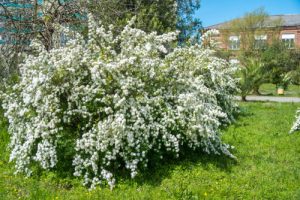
(281, 64)
(152, 15)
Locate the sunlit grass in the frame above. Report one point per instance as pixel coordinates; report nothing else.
(267, 167)
(270, 89)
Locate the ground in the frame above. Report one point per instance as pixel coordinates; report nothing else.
(267, 167)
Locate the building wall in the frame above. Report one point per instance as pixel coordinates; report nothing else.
(223, 39)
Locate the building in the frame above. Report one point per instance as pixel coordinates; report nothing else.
(13, 14)
(288, 31)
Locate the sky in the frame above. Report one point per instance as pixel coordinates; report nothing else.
(218, 11)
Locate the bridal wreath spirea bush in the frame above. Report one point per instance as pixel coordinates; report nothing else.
(117, 101)
(296, 126)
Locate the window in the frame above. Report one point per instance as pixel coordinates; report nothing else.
(289, 40)
(260, 41)
(234, 42)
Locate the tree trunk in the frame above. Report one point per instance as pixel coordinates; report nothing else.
(244, 98)
(256, 91)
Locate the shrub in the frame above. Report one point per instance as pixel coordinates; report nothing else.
(296, 125)
(251, 76)
(111, 102)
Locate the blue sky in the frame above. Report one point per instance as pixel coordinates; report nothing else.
(217, 11)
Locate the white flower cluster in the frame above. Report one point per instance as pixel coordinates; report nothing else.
(209, 39)
(119, 99)
(296, 125)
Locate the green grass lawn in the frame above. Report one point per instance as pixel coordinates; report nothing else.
(270, 89)
(268, 167)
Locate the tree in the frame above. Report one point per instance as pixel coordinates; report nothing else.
(294, 74)
(26, 20)
(282, 64)
(186, 23)
(161, 15)
(251, 75)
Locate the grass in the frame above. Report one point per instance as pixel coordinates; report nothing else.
(268, 167)
(270, 89)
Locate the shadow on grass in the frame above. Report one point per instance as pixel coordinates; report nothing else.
(153, 175)
(157, 171)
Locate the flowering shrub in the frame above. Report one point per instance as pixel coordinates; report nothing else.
(116, 100)
(296, 125)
